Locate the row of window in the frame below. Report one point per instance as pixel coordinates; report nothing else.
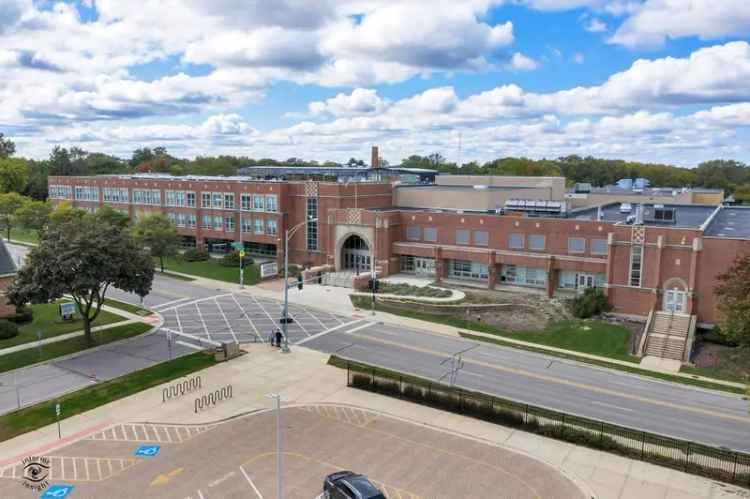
(185, 199)
(85, 193)
(147, 196)
(534, 242)
(227, 224)
(248, 202)
(60, 192)
(517, 275)
(115, 195)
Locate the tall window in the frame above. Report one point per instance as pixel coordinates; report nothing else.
(228, 201)
(636, 264)
(258, 226)
(481, 238)
(246, 225)
(430, 234)
(462, 236)
(218, 223)
(191, 220)
(598, 246)
(229, 224)
(536, 242)
(271, 227)
(190, 199)
(312, 223)
(217, 200)
(412, 233)
(271, 202)
(246, 202)
(576, 245)
(206, 221)
(258, 203)
(205, 199)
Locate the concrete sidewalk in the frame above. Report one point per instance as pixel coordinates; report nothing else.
(303, 378)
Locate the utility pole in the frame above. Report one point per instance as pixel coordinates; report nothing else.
(285, 319)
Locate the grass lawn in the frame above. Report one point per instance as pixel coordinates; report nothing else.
(128, 307)
(72, 345)
(42, 414)
(18, 235)
(591, 337)
(47, 320)
(212, 269)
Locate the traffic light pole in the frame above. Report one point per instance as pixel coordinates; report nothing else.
(285, 318)
(242, 273)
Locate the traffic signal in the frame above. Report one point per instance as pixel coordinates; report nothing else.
(300, 281)
(376, 285)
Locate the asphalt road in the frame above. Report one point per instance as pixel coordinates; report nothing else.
(676, 410)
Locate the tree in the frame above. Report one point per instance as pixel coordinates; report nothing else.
(355, 162)
(33, 215)
(742, 194)
(10, 202)
(159, 234)
(14, 174)
(141, 155)
(82, 257)
(7, 147)
(64, 212)
(733, 295)
(112, 217)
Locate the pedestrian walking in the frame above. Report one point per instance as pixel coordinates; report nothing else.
(278, 338)
(271, 337)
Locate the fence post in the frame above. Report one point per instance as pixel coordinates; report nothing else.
(734, 472)
(687, 457)
(601, 436)
(643, 445)
(348, 375)
(401, 384)
(372, 376)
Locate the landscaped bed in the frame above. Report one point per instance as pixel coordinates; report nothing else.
(212, 269)
(404, 289)
(47, 320)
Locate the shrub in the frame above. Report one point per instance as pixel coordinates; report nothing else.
(231, 259)
(8, 330)
(195, 255)
(23, 314)
(592, 302)
(294, 270)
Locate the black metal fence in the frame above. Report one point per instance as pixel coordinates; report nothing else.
(691, 457)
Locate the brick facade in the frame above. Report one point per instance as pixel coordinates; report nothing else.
(549, 255)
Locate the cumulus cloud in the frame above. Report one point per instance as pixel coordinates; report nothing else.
(595, 25)
(656, 20)
(521, 62)
(361, 101)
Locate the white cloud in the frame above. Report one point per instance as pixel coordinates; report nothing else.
(360, 101)
(523, 63)
(578, 58)
(656, 20)
(595, 25)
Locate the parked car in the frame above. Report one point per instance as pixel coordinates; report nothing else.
(350, 485)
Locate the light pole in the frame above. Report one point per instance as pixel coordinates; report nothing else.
(285, 319)
(279, 482)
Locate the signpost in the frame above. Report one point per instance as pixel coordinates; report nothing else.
(240, 249)
(67, 310)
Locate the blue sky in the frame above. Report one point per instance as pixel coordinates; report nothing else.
(651, 80)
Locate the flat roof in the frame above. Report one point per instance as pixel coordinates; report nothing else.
(479, 187)
(648, 191)
(690, 216)
(731, 222)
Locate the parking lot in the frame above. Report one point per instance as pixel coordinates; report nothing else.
(243, 318)
(238, 459)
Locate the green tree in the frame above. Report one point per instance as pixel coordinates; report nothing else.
(37, 185)
(112, 217)
(7, 147)
(742, 194)
(733, 295)
(65, 212)
(82, 257)
(159, 235)
(33, 215)
(10, 202)
(14, 174)
(141, 155)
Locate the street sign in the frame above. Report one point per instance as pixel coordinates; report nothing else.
(237, 246)
(57, 492)
(242, 253)
(147, 450)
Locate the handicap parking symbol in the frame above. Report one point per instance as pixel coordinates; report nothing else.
(57, 492)
(147, 450)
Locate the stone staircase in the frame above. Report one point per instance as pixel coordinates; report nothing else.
(670, 336)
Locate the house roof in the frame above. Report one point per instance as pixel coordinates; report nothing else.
(7, 266)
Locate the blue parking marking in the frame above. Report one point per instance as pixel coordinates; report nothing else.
(57, 492)
(147, 450)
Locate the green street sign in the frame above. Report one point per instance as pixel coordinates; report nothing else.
(237, 246)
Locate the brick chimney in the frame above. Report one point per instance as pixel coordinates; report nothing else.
(375, 158)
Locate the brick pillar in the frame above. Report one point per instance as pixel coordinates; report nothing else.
(491, 270)
(694, 256)
(657, 272)
(551, 277)
(609, 273)
(440, 268)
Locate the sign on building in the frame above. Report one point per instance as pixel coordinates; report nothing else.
(268, 269)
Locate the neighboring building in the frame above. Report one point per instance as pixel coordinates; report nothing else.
(7, 274)
(647, 256)
(628, 191)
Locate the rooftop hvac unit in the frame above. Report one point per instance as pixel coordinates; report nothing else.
(535, 206)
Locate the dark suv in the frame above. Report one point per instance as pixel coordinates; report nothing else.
(348, 485)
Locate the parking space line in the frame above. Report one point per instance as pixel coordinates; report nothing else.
(200, 494)
(257, 492)
(167, 304)
(203, 321)
(226, 321)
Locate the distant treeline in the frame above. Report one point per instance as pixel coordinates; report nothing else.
(732, 176)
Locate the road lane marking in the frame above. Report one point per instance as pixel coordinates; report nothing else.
(226, 321)
(167, 304)
(244, 312)
(359, 328)
(553, 379)
(200, 495)
(257, 492)
(335, 328)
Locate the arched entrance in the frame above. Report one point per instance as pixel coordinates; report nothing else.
(355, 254)
(675, 296)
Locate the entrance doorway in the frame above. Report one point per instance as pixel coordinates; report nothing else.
(355, 254)
(675, 301)
(424, 266)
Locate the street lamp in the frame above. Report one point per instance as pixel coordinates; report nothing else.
(277, 398)
(285, 319)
